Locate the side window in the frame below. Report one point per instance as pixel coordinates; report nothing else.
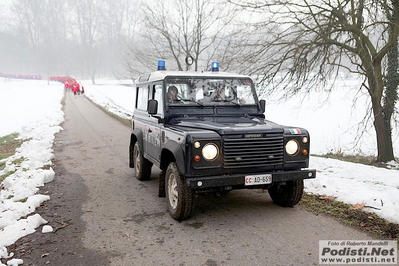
(245, 95)
(142, 98)
(158, 96)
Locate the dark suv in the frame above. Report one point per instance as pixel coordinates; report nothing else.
(207, 132)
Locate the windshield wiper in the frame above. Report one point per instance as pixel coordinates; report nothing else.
(231, 101)
(193, 101)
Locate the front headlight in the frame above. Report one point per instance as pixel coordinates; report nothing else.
(210, 152)
(292, 147)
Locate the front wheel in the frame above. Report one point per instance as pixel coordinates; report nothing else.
(178, 196)
(142, 167)
(287, 194)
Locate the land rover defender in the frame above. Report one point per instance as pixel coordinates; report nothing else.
(207, 132)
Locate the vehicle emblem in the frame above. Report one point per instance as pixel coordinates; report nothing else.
(252, 135)
(238, 159)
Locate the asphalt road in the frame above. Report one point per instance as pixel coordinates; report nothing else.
(104, 216)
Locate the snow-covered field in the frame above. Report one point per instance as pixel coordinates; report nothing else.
(33, 109)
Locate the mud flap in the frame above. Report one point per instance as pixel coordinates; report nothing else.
(161, 181)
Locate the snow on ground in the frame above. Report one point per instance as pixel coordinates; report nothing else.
(110, 94)
(33, 109)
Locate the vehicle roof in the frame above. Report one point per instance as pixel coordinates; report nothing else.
(161, 75)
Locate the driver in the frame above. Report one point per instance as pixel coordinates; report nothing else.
(172, 94)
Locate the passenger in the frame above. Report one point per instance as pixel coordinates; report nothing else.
(220, 96)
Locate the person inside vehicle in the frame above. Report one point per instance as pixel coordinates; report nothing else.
(172, 94)
(220, 96)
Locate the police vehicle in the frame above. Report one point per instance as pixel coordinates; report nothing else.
(207, 132)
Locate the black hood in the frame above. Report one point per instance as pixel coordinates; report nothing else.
(228, 125)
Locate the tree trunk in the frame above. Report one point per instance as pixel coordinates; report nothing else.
(382, 126)
(93, 81)
(384, 138)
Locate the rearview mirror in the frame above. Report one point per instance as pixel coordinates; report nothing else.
(262, 104)
(152, 107)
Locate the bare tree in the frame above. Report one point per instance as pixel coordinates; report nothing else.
(54, 39)
(67, 37)
(120, 23)
(390, 96)
(87, 29)
(307, 42)
(175, 30)
(37, 24)
(41, 43)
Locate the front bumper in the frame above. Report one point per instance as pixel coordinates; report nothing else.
(239, 180)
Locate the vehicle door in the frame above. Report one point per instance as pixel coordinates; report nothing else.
(154, 125)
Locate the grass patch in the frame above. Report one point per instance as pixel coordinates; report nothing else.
(18, 161)
(367, 160)
(23, 200)
(8, 144)
(2, 177)
(365, 221)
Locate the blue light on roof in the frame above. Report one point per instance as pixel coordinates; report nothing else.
(215, 66)
(161, 65)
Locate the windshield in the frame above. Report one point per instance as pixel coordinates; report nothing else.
(210, 91)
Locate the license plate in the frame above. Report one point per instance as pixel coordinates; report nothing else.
(251, 180)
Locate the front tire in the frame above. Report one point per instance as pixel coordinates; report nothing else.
(288, 194)
(142, 167)
(178, 196)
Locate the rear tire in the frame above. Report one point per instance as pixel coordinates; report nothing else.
(179, 197)
(142, 167)
(288, 194)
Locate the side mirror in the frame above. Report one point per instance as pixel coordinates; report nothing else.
(262, 104)
(152, 107)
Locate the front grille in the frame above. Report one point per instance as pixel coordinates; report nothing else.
(265, 151)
